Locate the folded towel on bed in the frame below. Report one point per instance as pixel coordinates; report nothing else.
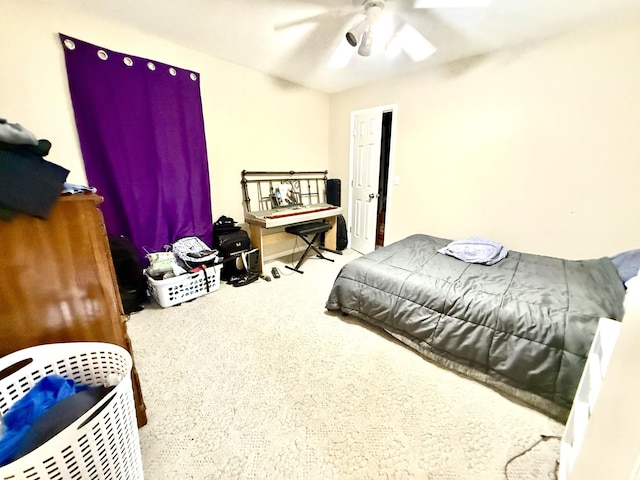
(476, 250)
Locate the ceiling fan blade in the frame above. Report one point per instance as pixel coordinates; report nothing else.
(415, 44)
(299, 21)
(450, 3)
(326, 30)
(329, 15)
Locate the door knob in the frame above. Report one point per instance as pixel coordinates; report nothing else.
(372, 196)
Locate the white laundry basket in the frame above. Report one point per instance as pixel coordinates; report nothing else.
(176, 290)
(103, 443)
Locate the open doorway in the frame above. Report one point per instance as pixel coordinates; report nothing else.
(385, 149)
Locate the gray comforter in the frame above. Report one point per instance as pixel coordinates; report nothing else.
(524, 325)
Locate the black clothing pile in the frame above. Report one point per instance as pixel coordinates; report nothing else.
(28, 183)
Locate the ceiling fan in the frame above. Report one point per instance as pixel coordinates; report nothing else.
(373, 27)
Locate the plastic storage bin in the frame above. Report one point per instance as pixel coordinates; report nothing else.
(102, 444)
(182, 288)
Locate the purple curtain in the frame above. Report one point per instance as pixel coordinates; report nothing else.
(141, 133)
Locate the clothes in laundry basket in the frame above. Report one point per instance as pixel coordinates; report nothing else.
(49, 407)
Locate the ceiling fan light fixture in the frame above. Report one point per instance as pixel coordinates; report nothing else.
(365, 44)
(373, 11)
(361, 33)
(354, 34)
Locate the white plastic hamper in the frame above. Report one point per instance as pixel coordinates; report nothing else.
(103, 444)
(176, 290)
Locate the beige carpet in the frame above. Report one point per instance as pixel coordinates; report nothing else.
(259, 382)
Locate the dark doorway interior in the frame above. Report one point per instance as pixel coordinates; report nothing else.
(383, 180)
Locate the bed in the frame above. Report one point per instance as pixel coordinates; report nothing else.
(522, 326)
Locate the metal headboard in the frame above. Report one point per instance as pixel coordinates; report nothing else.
(273, 190)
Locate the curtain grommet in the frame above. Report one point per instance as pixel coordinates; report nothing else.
(151, 66)
(102, 55)
(70, 44)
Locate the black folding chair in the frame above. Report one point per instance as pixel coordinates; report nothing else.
(305, 230)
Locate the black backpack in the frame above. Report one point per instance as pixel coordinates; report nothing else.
(341, 233)
(132, 283)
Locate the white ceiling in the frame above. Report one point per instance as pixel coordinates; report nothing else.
(270, 36)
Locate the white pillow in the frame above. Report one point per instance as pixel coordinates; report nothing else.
(627, 263)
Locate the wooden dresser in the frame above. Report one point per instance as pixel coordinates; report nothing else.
(58, 284)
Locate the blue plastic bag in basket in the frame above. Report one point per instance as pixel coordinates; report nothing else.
(46, 393)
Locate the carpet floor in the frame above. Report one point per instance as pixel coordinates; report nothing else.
(261, 382)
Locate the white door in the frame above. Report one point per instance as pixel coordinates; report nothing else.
(365, 170)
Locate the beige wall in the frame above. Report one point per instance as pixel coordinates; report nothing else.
(538, 147)
(252, 121)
